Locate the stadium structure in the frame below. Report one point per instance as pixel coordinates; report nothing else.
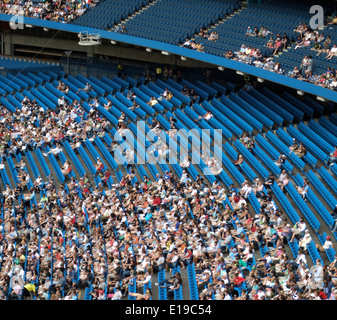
(100, 69)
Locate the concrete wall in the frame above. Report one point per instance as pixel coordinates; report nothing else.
(106, 48)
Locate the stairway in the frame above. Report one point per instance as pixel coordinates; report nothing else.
(153, 2)
(213, 26)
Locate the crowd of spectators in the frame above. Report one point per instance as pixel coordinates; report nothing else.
(119, 28)
(115, 236)
(213, 36)
(305, 72)
(198, 46)
(193, 45)
(253, 56)
(58, 11)
(314, 40)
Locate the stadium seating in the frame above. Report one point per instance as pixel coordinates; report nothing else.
(225, 110)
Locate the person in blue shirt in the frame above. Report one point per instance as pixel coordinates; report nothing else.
(238, 230)
(148, 216)
(167, 175)
(249, 31)
(232, 255)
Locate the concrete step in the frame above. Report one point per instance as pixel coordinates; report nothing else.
(9, 173)
(81, 294)
(39, 167)
(154, 288)
(74, 169)
(185, 284)
(144, 8)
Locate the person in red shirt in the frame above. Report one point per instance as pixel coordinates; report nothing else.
(85, 189)
(238, 281)
(106, 177)
(156, 203)
(123, 182)
(322, 295)
(61, 240)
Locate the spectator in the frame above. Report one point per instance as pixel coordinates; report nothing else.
(326, 46)
(295, 73)
(249, 31)
(326, 246)
(332, 52)
(333, 157)
(304, 189)
(281, 160)
(303, 243)
(301, 151)
(298, 230)
(239, 161)
(304, 64)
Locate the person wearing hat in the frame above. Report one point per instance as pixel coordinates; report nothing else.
(326, 246)
(278, 45)
(249, 31)
(303, 243)
(294, 146)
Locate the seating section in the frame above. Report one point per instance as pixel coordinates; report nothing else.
(189, 16)
(151, 19)
(108, 13)
(236, 114)
(276, 18)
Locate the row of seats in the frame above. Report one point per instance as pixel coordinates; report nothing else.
(88, 144)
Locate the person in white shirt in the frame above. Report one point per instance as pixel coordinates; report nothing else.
(185, 163)
(94, 104)
(145, 263)
(301, 258)
(305, 240)
(55, 151)
(184, 176)
(332, 52)
(326, 246)
(118, 295)
(17, 288)
(61, 102)
(281, 177)
(298, 229)
(153, 101)
(147, 279)
(187, 43)
(333, 83)
(318, 273)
